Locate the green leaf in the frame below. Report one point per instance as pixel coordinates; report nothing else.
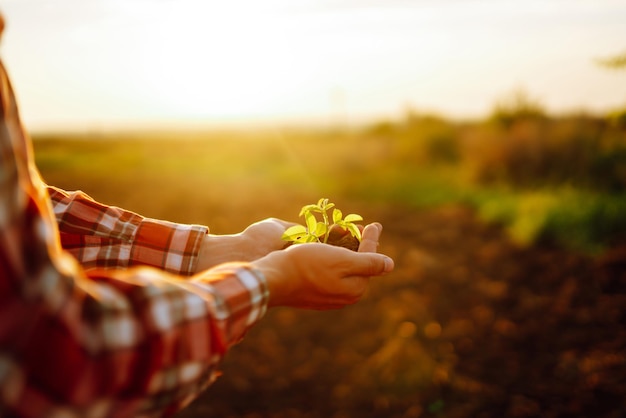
(294, 232)
(311, 221)
(308, 208)
(311, 238)
(323, 204)
(320, 230)
(337, 215)
(315, 229)
(353, 217)
(354, 230)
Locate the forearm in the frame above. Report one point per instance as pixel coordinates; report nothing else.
(102, 236)
(218, 249)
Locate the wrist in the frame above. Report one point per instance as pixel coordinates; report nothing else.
(275, 271)
(218, 249)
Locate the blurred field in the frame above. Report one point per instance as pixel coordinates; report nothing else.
(509, 235)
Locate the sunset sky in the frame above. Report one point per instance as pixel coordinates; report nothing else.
(102, 64)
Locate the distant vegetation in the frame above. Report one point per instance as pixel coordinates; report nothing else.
(616, 61)
(552, 179)
(558, 180)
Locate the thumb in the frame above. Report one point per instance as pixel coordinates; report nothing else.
(370, 237)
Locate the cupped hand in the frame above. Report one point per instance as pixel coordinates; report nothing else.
(256, 241)
(321, 276)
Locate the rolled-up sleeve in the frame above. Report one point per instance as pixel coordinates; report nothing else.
(102, 236)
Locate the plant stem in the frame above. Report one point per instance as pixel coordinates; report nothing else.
(325, 217)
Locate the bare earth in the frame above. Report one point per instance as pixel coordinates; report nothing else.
(469, 325)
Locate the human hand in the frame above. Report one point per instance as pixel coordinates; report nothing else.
(321, 276)
(256, 241)
(265, 236)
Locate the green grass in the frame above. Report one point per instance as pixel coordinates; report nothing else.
(577, 219)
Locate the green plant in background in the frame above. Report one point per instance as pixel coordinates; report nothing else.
(516, 107)
(319, 230)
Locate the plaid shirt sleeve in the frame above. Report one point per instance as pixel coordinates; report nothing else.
(109, 237)
(134, 342)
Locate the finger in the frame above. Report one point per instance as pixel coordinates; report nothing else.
(354, 288)
(371, 264)
(370, 237)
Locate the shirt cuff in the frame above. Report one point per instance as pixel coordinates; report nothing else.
(171, 246)
(241, 299)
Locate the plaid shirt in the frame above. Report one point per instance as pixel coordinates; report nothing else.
(104, 236)
(104, 336)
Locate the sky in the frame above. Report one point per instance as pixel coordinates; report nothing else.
(105, 64)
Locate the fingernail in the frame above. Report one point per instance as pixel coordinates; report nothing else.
(389, 264)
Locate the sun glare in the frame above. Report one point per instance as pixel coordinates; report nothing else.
(106, 62)
(207, 60)
(217, 62)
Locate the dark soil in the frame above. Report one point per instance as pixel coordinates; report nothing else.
(342, 238)
(469, 325)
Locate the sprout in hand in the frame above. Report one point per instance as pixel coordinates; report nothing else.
(335, 230)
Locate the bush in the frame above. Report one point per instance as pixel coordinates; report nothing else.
(587, 222)
(568, 218)
(578, 152)
(558, 180)
(516, 107)
(617, 118)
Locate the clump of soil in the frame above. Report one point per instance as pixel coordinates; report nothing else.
(341, 237)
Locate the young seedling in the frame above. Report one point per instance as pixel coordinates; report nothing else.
(333, 229)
